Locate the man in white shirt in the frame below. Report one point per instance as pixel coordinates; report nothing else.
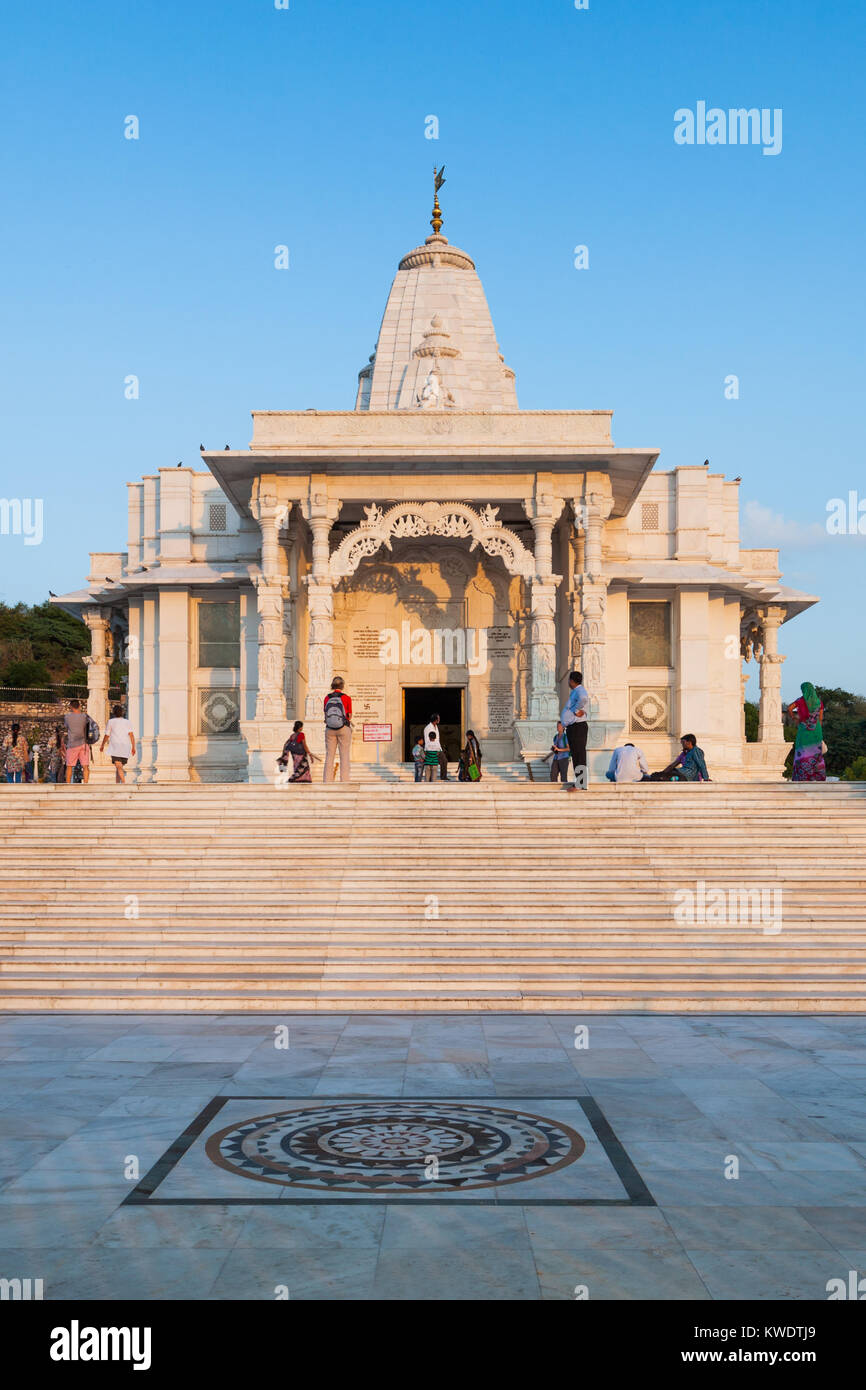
(627, 764)
(436, 744)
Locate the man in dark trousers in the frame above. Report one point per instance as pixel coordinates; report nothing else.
(574, 721)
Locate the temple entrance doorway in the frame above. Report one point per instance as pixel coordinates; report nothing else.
(419, 702)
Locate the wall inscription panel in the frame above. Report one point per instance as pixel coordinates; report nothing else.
(368, 703)
(365, 643)
(500, 708)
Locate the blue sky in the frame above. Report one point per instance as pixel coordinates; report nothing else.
(306, 127)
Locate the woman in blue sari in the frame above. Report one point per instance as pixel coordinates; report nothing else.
(809, 743)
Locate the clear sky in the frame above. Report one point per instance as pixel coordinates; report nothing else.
(305, 126)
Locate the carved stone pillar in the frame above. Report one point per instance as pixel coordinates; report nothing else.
(591, 510)
(744, 683)
(320, 512)
(98, 665)
(270, 591)
(543, 697)
(266, 733)
(770, 724)
(543, 510)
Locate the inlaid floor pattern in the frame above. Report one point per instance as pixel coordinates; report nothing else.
(448, 897)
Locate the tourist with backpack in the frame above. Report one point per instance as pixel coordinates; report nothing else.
(338, 731)
(81, 733)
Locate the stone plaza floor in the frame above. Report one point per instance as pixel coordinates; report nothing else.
(471, 1157)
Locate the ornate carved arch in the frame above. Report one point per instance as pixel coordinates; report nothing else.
(455, 520)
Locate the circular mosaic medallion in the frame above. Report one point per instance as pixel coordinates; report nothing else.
(395, 1146)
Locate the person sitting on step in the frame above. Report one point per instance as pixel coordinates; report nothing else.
(689, 766)
(627, 764)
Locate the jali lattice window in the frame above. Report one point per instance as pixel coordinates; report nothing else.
(219, 711)
(219, 632)
(649, 631)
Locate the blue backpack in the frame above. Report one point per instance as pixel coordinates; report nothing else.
(335, 712)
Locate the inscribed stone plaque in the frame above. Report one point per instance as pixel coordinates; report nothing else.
(365, 643)
(368, 703)
(500, 642)
(500, 708)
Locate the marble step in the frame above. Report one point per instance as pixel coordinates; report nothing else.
(409, 972)
(435, 1002)
(223, 926)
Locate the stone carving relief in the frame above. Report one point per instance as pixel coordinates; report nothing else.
(455, 520)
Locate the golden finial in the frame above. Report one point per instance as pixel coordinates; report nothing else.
(438, 180)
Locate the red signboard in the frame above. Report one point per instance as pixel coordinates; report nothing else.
(377, 733)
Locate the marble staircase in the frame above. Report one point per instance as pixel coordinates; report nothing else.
(502, 895)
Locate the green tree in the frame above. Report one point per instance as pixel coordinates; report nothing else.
(23, 674)
(47, 635)
(857, 771)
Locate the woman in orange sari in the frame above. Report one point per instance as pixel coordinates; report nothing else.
(809, 743)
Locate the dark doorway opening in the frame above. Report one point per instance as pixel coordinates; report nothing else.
(419, 702)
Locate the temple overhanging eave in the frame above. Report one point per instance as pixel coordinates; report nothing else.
(461, 448)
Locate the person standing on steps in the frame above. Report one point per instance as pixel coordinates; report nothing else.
(15, 754)
(472, 756)
(418, 758)
(574, 721)
(338, 731)
(809, 748)
(435, 744)
(559, 754)
(77, 747)
(120, 740)
(55, 768)
(432, 754)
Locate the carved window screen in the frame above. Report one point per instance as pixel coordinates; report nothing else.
(219, 711)
(649, 710)
(219, 633)
(649, 633)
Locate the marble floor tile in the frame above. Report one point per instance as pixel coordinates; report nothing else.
(141, 1273)
(465, 1273)
(42, 1222)
(840, 1225)
(581, 1228)
(324, 1273)
(618, 1274)
(145, 1227)
(744, 1228)
(761, 1274)
(293, 1227)
(444, 1228)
